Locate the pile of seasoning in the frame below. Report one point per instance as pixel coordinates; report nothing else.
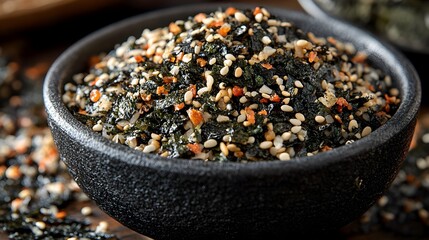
(232, 85)
(35, 188)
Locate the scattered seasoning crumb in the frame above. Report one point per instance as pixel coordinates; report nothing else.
(35, 187)
(264, 77)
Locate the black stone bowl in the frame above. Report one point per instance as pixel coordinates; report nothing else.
(185, 199)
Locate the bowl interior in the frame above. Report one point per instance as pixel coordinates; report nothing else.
(381, 55)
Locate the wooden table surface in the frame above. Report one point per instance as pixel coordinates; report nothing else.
(37, 42)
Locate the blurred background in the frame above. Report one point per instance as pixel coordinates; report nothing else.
(33, 33)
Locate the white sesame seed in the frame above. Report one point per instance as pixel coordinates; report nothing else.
(188, 96)
(97, 127)
(352, 125)
(210, 38)
(251, 140)
(197, 49)
(227, 62)
(209, 82)
(241, 118)
(319, 119)
(278, 141)
(240, 16)
(303, 43)
(298, 84)
(187, 57)
(265, 144)
(286, 108)
(212, 61)
(238, 72)
(295, 122)
(224, 149)
(266, 40)
(259, 17)
(286, 136)
(229, 56)
(222, 118)
(202, 90)
(300, 117)
(265, 89)
(227, 138)
(243, 99)
(224, 70)
(284, 156)
(366, 131)
(149, 148)
(295, 129)
(210, 143)
(40, 225)
(86, 211)
(329, 119)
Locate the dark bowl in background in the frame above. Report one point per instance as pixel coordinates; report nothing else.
(186, 199)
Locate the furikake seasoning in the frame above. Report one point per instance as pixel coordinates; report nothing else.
(232, 86)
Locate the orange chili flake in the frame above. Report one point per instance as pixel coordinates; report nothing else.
(200, 17)
(331, 40)
(267, 66)
(237, 91)
(224, 29)
(275, 98)
(312, 56)
(250, 115)
(194, 147)
(230, 11)
(342, 102)
(95, 95)
(215, 24)
(169, 79)
(360, 57)
(179, 106)
(138, 58)
(263, 112)
(326, 148)
(83, 112)
(264, 100)
(193, 89)
(195, 116)
(201, 62)
(174, 28)
(256, 11)
(61, 215)
(161, 90)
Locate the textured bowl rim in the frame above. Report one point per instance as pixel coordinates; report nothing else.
(407, 80)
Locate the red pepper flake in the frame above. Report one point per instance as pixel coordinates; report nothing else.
(179, 106)
(224, 29)
(193, 89)
(360, 57)
(179, 57)
(250, 115)
(95, 95)
(174, 28)
(326, 148)
(61, 215)
(256, 11)
(169, 79)
(331, 40)
(264, 100)
(312, 56)
(201, 62)
(263, 112)
(275, 98)
(230, 11)
(161, 90)
(138, 58)
(200, 17)
(215, 24)
(267, 66)
(341, 103)
(237, 91)
(194, 147)
(195, 116)
(83, 112)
